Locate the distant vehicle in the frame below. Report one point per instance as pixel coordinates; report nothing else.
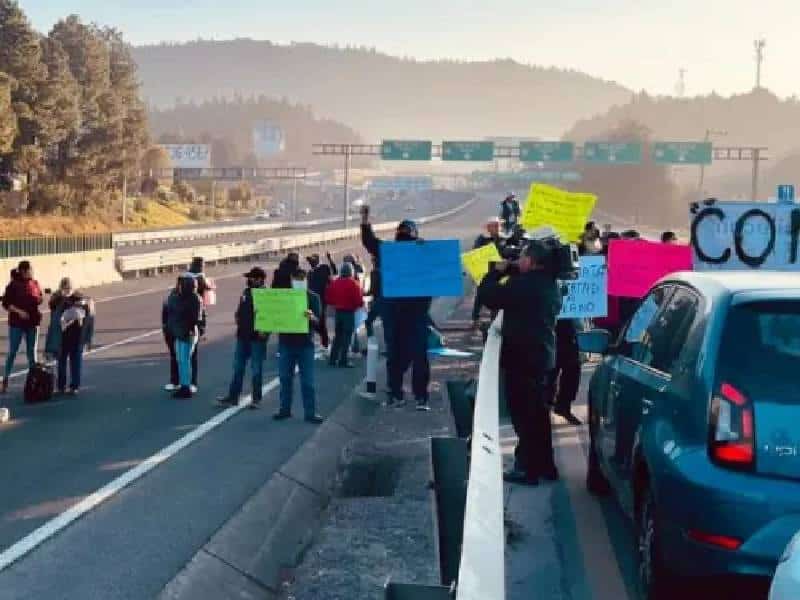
(786, 583)
(264, 216)
(410, 208)
(275, 213)
(694, 424)
(306, 211)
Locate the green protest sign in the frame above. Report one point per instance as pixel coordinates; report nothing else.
(280, 310)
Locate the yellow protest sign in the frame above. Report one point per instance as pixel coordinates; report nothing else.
(566, 212)
(280, 310)
(476, 262)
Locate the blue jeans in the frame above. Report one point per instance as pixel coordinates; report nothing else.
(75, 357)
(183, 353)
(15, 335)
(254, 351)
(301, 357)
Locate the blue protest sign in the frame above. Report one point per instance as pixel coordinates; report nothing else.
(785, 194)
(420, 269)
(587, 296)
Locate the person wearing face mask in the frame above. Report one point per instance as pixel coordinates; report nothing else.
(251, 346)
(408, 321)
(296, 352)
(345, 295)
(184, 314)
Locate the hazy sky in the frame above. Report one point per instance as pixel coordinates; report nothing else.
(639, 43)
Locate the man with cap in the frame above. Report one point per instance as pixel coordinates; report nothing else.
(250, 345)
(407, 320)
(509, 212)
(530, 298)
(319, 278)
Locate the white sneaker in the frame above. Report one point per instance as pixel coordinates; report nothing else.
(170, 387)
(194, 389)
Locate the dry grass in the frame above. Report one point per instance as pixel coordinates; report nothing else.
(154, 216)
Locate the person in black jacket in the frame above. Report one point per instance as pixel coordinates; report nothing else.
(407, 321)
(282, 277)
(319, 279)
(250, 345)
(492, 236)
(509, 212)
(530, 299)
(184, 317)
(169, 339)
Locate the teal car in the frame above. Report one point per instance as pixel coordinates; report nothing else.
(694, 420)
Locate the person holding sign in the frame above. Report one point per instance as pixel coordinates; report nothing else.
(296, 352)
(407, 320)
(491, 237)
(251, 346)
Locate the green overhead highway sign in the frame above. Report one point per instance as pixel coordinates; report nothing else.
(406, 150)
(546, 151)
(616, 153)
(682, 153)
(476, 151)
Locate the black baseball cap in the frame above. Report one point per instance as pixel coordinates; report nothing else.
(256, 273)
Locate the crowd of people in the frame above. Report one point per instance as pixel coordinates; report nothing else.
(540, 358)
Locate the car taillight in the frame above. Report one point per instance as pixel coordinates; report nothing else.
(731, 428)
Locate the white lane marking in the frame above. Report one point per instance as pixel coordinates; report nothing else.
(135, 338)
(55, 525)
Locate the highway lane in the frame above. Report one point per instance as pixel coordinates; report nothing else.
(383, 210)
(55, 455)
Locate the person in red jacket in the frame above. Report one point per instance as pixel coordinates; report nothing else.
(22, 299)
(344, 294)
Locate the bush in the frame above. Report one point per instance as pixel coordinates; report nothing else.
(52, 198)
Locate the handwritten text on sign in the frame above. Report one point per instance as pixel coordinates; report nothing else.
(587, 296)
(635, 265)
(280, 310)
(421, 269)
(566, 212)
(476, 262)
(729, 236)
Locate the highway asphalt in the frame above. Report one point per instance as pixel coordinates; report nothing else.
(53, 456)
(383, 210)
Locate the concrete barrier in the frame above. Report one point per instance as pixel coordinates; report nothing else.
(86, 269)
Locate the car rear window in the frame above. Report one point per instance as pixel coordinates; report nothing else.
(761, 345)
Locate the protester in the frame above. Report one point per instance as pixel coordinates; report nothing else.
(531, 300)
(589, 242)
(319, 279)
(376, 306)
(345, 295)
(509, 212)
(296, 352)
(169, 339)
(184, 320)
(492, 236)
(358, 276)
(22, 299)
(630, 234)
(669, 237)
(251, 346)
(282, 277)
(566, 377)
(207, 290)
(74, 319)
(408, 322)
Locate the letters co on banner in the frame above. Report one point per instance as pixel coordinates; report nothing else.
(736, 236)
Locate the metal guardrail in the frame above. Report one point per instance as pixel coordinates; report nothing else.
(470, 529)
(195, 233)
(37, 246)
(170, 259)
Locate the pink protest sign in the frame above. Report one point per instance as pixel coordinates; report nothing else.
(635, 265)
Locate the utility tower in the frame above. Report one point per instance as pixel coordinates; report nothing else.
(680, 87)
(759, 46)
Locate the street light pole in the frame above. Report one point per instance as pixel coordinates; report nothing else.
(347, 187)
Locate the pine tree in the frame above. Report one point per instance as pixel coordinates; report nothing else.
(8, 119)
(20, 58)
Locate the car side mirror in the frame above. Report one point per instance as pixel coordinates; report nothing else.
(596, 341)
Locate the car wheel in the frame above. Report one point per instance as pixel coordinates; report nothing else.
(653, 579)
(596, 482)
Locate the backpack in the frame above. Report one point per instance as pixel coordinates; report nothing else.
(39, 384)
